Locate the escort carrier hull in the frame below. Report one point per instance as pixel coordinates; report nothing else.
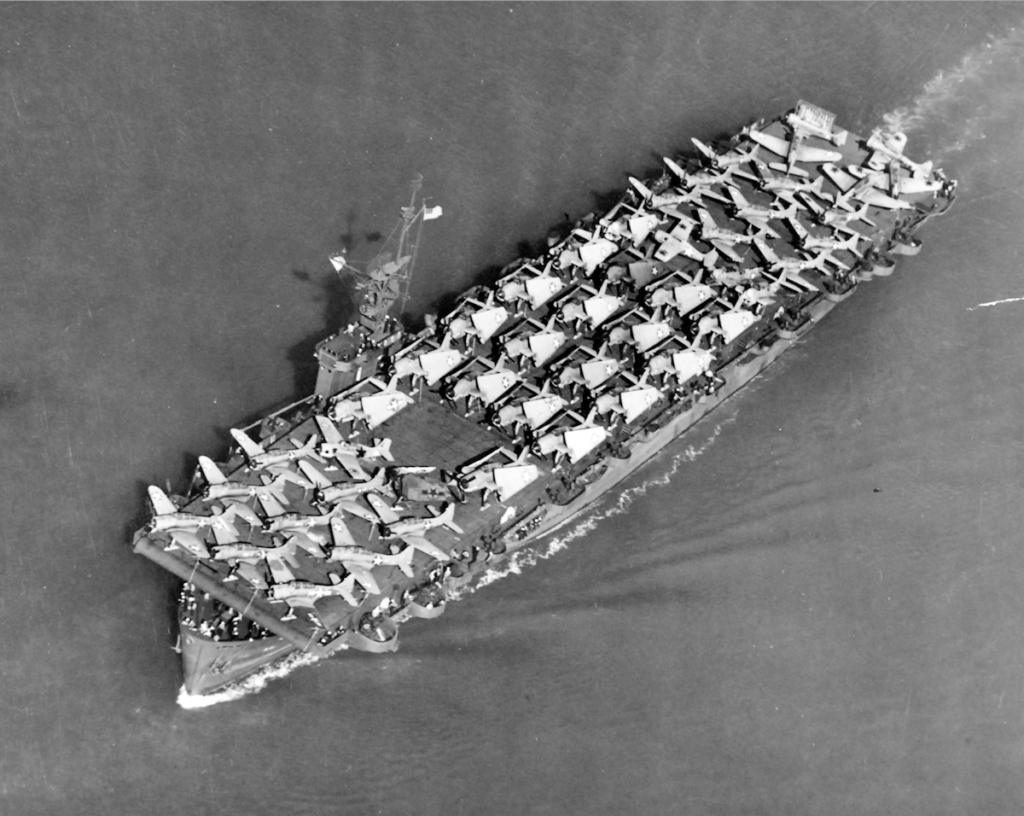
(423, 460)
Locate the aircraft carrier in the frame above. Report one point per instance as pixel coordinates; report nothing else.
(423, 459)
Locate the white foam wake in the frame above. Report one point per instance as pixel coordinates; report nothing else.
(952, 95)
(529, 557)
(994, 303)
(250, 685)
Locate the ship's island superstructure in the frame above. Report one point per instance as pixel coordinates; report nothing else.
(423, 459)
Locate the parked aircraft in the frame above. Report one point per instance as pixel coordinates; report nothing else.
(373, 408)
(534, 411)
(808, 241)
(240, 552)
(677, 242)
(805, 127)
(258, 458)
(703, 180)
(888, 147)
(409, 530)
(758, 216)
(304, 594)
(722, 239)
(575, 441)
(651, 200)
(785, 186)
(301, 522)
(851, 188)
(791, 266)
(505, 477)
(329, 493)
(351, 555)
(837, 219)
(793, 151)
(218, 487)
(720, 161)
(629, 403)
(183, 527)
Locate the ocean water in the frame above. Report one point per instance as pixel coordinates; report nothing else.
(811, 604)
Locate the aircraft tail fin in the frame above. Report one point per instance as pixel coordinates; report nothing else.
(383, 447)
(404, 560)
(447, 518)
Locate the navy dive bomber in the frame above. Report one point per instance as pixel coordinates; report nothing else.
(425, 458)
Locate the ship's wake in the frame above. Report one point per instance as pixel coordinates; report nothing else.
(957, 104)
(530, 556)
(250, 685)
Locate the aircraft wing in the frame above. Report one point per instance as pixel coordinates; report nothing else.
(363, 576)
(271, 506)
(340, 534)
(766, 252)
(726, 249)
(426, 547)
(817, 155)
(879, 199)
(738, 199)
(211, 472)
(328, 430)
(707, 192)
(314, 475)
(299, 602)
(675, 168)
(310, 545)
(828, 256)
(161, 504)
(224, 532)
(190, 542)
(382, 508)
(706, 220)
(236, 508)
(775, 144)
(703, 148)
(358, 510)
(843, 180)
(286, 474)
(789, 198)
(744, 174)
(761, 224)
(281, 573)
(352, 466)
(249, 447)
(251, 573)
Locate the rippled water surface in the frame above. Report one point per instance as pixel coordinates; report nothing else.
(810, 604)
